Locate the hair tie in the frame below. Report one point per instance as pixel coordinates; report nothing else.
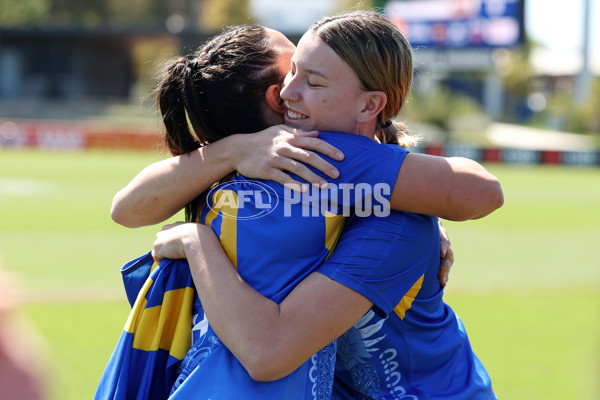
(191, 98)
(386, 124)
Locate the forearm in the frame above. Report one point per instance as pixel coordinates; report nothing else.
(451, 188)
(243, 319)
(268, 339)
(165, 187)
(474, 189)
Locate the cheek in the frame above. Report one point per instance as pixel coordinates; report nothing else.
(316, 102)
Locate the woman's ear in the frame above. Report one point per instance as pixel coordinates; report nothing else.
(274, 100)
(374, 102)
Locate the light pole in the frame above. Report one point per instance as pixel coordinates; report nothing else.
(583, 79)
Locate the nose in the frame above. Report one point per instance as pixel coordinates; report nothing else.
(288, 91)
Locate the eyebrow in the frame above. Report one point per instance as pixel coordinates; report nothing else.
(315, 72)
(310, 71)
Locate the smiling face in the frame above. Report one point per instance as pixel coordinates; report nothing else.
(321, 91)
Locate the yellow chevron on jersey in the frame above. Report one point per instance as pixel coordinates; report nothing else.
(334, 225)
(408, 298)
(226, 204)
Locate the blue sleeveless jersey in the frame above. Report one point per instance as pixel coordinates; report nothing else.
(411, 345)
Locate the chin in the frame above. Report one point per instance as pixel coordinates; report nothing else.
(303, 124)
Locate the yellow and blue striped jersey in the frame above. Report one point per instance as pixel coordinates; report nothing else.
(156, 336)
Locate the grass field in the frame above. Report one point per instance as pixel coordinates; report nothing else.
(526, 281)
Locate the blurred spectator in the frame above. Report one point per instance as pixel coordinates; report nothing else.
(22, 357)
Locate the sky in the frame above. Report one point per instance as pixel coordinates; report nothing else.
(558, 25)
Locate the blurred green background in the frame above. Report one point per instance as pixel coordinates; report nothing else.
(526, 280)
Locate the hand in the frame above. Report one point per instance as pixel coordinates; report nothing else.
(446, 255)
(172, 239)
(267, 154)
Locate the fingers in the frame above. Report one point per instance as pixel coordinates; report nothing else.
(157, 259)
(445, 265)
(449, 256)
(444, 272)
(278, 175)
(300, 132)
(156, 245)
(159, 241)
(444, 239)
(296, 161)
(297, 152)
(300, 169)
(297, 158)
(444, 246)
(318, 145)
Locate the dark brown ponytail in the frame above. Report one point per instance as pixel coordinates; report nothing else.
(179, 139)
(217, 91)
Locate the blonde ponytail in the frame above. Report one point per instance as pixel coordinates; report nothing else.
(395, 132)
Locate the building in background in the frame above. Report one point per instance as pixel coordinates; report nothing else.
(456, 42)
(473, 49)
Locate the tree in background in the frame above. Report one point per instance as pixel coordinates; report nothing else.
(22, 12)
(515, 69)
(86, 14)
(77, 13)
(137, 12)
(219, 13)
(565, 114)
(346, 5)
